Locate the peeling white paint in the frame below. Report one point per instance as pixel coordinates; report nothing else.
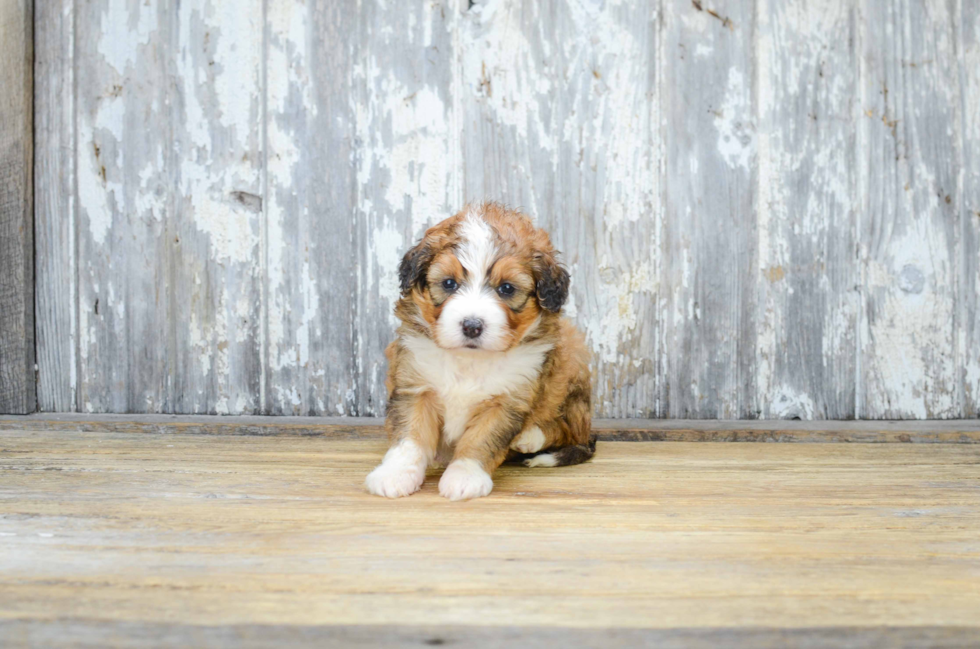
(911, 327)
(496, 68)
(790, 404)
(734, 122)
(311, 305)
(287, 394)
(100, 192)
(388, 247)
(414, 156)
(219, 196)
(619, 315)
(236, 32)
(119, 51)
(231, 230)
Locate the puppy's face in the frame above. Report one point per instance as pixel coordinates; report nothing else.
(481, 280)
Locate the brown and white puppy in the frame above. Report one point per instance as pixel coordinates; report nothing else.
(484, 367)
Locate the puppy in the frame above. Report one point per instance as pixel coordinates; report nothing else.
(483, 367)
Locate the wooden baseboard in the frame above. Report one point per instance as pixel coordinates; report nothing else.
(954, 431)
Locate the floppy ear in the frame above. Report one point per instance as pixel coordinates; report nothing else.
(552, 282)
(414, 266)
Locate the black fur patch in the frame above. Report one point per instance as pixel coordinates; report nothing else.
(552, 285)
(414, 266)
(564, 455)
(569, 455)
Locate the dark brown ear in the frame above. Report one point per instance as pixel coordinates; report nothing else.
(552, 282)
(414, 266)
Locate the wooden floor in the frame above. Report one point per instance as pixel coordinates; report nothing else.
(135, 539)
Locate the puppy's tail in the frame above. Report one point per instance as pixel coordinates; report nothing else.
(564, 455)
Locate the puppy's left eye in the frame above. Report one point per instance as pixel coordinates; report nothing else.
(505, 289)
(449, 284)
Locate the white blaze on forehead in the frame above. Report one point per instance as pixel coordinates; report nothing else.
(477, 249)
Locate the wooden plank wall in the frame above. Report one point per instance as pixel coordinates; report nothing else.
(17, 382)
(770, 209)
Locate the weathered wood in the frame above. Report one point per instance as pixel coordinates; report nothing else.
(214, 232)
(55, 222)
(126, 183)
(950, 431)
(560, 115)
(17, 384)
(755, 228)
(111, 529)
(807, 271)
(710, 255)
(310, 358)
(967, 25)
(909, 222)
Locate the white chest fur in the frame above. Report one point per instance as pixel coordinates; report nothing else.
(463, 378)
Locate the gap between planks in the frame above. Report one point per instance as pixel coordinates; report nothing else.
(952, 431)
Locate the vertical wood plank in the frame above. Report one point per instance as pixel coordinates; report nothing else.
(968, 302)
(216, 276)
(311, 262)
(710, 254)
(807, 264)
(125, 177)
(560, 114)
(910, 225)
(406, 167)
(54, 164)
(17, 382)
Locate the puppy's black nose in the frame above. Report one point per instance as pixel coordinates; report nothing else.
(472, 327)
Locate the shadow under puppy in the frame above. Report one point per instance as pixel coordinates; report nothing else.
(483, 367)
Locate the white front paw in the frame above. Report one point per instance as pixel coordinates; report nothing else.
(530, 441)
(400, 474)
(394, 481)
(465, 479)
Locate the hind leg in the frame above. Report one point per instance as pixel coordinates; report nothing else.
(566, 440)
(535, 438)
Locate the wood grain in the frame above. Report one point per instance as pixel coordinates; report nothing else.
(309, 362)
(808, 273)
(17, 384)
(213, 227)
(125, 178)
(968, 199)
(909, 223)
(55, 219)
(135, 533)
(710, 229)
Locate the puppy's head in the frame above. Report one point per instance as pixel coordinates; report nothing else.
(483, 279)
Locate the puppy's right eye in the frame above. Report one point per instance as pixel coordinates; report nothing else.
(449, 284)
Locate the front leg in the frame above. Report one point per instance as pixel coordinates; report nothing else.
(413, 425)
(481, 449)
